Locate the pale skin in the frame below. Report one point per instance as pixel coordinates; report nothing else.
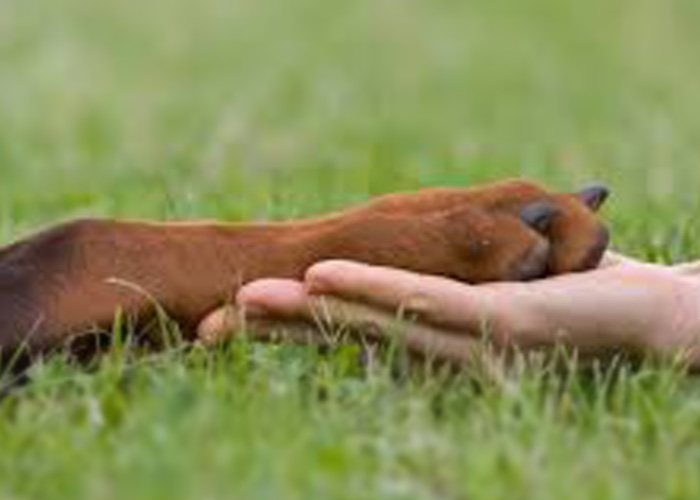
(624, 306)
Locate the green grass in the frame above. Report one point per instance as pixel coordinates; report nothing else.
(278, 108)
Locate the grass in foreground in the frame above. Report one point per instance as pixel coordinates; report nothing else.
(277, 108)
(252, 422)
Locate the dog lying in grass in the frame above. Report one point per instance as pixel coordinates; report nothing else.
(73, 278)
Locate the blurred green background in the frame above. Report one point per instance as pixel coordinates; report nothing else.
(275, 108)
(279, 108)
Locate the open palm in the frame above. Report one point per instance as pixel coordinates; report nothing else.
(623, 306)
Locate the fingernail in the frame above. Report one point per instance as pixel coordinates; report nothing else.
(316, 280)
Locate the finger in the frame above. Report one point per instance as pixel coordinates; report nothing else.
(382, 326)
(219, 325)
(322, 316)
(288, 299)
(433, 299)
(281, 297)
(284, 298)
(381, 285)
(229, 321)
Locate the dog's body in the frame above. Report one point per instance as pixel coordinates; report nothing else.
(75, 277)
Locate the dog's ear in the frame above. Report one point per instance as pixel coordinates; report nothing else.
(539, 215)
(594, 196)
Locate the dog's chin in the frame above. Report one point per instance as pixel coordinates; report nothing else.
(533, 265)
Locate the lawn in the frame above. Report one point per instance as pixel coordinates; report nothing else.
(279, 108)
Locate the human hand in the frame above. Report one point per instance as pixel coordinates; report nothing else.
(624, 306)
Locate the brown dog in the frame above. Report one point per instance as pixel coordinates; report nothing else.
(74, 277)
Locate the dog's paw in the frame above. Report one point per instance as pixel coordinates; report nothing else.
(576, 236)
(512, 230)
(465, 243)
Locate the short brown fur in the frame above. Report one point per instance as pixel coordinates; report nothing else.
(74, 277)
